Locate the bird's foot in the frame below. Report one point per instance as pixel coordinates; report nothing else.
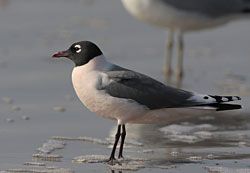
(120, 157)
(112, 161)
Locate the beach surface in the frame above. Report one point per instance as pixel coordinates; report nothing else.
(44, 127)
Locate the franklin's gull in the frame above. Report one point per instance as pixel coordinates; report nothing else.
(126, 96)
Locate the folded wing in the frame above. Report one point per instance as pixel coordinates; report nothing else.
(148, 92)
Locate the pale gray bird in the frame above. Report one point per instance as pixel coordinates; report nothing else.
(126, 96)
(183, 16)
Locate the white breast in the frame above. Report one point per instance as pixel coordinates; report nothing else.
(87, 81)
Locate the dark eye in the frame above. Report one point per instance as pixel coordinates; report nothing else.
(77, 48)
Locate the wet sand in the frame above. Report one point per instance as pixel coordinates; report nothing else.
(37, 100)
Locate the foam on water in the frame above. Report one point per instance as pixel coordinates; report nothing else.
(34, 164)
(129, 163)
(48, 157)
(128, 166)
(90, 159)
(188, 133)
(219, 169)
(51, 145)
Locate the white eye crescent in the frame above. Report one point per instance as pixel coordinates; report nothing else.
(78, 48)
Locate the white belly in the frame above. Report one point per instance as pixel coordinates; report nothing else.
(98, 101)
(169, 17)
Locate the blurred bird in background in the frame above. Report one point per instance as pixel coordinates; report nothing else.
(180, 16)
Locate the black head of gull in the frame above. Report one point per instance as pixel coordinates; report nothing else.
(80, 52)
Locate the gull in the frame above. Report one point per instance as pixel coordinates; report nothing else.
(182, 16)
(127, 96)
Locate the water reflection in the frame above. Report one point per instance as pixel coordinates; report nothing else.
(216, 135)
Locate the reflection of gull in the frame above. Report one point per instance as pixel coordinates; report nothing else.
(185, 15)
(130, 97)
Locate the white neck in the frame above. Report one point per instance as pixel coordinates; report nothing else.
(98, 63)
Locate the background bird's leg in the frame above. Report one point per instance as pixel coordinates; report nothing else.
(117, 136)
(169, 53)
(123, 135)
(180, 53)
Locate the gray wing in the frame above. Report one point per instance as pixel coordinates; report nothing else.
(210, 8)
(145, 90)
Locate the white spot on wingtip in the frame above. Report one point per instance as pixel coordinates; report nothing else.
(224, 99)
(236, 98)
(202, 98)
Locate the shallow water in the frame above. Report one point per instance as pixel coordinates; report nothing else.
(35, 86)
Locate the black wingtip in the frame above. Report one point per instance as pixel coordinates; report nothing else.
(224, 107)
(221, 99)
(247, 10)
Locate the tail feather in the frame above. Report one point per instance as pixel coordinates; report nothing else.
(215, 102)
